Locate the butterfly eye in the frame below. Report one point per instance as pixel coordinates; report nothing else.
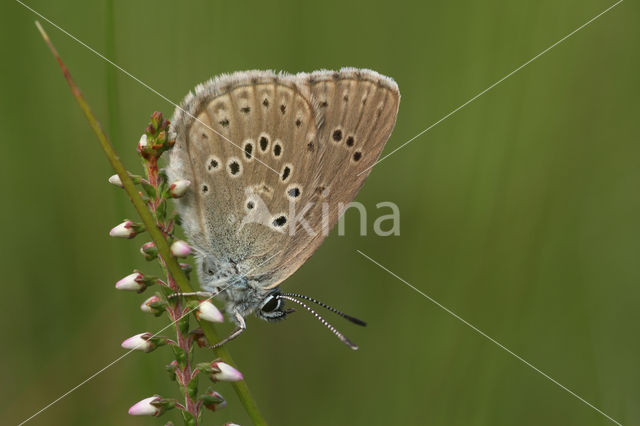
(271, 305)
(208, 269)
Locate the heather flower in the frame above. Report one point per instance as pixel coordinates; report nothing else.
(180, 248)
(207, 311)
(153, 305)
(144, 141)
(179, 188)
(152, 406)
(145, 407)
(220, 371)
(132, 282)
(144, 342)
(115, 180)
(126, 229)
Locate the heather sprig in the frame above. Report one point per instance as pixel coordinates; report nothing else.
(151, 206)
(156, 191)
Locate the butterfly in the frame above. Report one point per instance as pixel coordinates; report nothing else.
(273, 159)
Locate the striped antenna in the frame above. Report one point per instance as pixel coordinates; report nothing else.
(322, 320)
(324, 305)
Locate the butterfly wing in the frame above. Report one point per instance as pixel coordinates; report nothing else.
(273, 159)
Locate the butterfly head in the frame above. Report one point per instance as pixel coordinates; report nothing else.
(272, 307)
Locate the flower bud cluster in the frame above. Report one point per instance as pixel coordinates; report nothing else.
(156, 191)
(156, 139)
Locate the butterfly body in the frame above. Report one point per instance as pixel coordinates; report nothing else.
(272, 159)
(242, 293)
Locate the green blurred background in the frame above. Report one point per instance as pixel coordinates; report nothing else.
(521, 213)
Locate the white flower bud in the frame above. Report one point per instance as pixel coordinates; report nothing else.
(180, 248)
(178, 188)
(115, 180)
(131, 282)
(124, 230)
(207, 311)
(145, 408)
(139, 342)
(143, 143)
(225, 373)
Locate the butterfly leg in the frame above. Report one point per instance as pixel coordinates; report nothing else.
(242, 326)
(193, 293)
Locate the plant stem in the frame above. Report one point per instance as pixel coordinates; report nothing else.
(184, 374)
(240, 387)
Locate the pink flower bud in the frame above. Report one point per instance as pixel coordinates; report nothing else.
(146, 305)
(145, 408)
(149, 250)
(126, 229)
(180, 248)
(115, 180)
(223, 372)
(207, 311)
(178, 188)
(139, 342)
(132, 282)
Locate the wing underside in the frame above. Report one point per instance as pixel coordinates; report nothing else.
(273, 157)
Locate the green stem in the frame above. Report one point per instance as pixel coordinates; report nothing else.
(241, 388)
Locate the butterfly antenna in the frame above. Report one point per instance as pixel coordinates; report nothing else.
(323, 321)
(324, 305)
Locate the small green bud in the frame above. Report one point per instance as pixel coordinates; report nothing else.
(171, 369)
(212, 400)
(180, 355)
(149, 189)
(149, 250)
(192, 387)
